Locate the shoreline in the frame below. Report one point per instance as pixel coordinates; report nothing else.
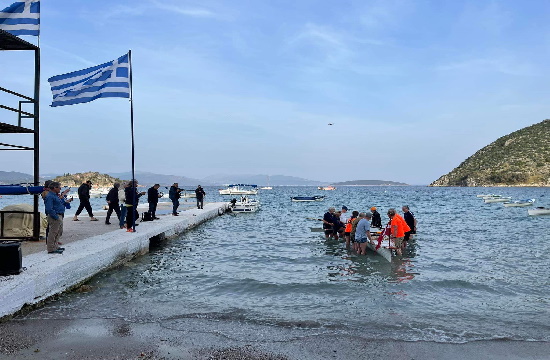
(208, 339)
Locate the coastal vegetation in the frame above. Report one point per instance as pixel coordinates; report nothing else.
(521, 158)
(75, 180)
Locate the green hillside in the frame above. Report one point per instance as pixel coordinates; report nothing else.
(75, 180)
(521, 158)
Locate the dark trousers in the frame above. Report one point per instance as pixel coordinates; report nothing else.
(130, 212)
(176, 204)
(84, 204)
(200, 202)
(112, 207)
(152, 209)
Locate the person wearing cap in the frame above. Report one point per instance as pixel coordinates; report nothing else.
(376, 218)
(84, 196)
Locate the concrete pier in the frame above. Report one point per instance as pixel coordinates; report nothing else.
(90, 248)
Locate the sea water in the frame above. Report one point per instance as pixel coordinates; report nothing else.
(474, 271)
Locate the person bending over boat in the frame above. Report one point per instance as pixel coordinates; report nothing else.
(411, 221)
(398, 229)
(362, 233)
(329, 222)
(354, 222)
(376, 218)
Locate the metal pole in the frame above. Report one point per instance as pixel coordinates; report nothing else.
(36, 152)
(134, 190)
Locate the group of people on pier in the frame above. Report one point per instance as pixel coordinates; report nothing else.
(359, 228)
(122, 199)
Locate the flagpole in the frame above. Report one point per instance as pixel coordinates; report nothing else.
(134, 190)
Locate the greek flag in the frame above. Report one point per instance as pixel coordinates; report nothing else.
(111, 79)
(21, 18)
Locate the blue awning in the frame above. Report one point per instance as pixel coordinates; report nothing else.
(20, 190)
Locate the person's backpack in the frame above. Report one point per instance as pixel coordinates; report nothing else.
(146, 216)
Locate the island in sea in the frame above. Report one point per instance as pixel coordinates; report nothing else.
(369, 183)
(521, 158)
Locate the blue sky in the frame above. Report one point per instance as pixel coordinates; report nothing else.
(248, 87)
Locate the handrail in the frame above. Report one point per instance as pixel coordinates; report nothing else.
(17, 111)
(17, 94)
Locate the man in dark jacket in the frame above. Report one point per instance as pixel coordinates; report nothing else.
(84, 196)
(131, 202)
(153, 199)
(174, 195)
(112, 201)
(376, 219)
(199, 192)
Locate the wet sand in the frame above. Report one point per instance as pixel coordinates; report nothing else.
(207, 339)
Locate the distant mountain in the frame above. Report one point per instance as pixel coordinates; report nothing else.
(521, 158)
(13, 177)
(261, 180)
(149, 178)
(370, 183)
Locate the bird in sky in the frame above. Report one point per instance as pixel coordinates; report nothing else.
(330, 123)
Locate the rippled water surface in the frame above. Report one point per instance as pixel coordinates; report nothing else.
(475, 271)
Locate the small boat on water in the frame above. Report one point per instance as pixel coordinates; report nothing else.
(519, 203)
(383, 246)
(266, 188)
(326, 188)
(497, 199)
(239, 189)
(245, 205)
(307, 198)
(539, 211)
(486, 195)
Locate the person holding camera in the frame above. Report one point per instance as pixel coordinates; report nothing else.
(153, 199)
(174, 194)
(132, 199)
(199, 192)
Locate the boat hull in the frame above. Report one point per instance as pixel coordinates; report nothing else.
(539, 211)
(496, 200)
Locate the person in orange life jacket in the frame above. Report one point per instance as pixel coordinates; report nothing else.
(398, 229)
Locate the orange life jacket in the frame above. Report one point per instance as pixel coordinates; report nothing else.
(348, 224)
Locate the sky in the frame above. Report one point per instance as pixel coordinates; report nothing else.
(412, 88)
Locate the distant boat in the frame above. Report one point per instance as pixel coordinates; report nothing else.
(267, 187)
(326, 188)
(497, 199)
(539, 211)
(519, 203)
(239, 189)
(307, 198)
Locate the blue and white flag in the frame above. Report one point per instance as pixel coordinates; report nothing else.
(21, 18)
(111, 79)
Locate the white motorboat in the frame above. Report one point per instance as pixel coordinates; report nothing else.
(519, 203)
(539, 211)
(245, 205)
(326, 188)
(486, 195)
(239, 189)
(497, 199)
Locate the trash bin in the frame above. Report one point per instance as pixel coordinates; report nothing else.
(10, 258)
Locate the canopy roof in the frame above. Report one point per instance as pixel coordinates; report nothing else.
(12, 42)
